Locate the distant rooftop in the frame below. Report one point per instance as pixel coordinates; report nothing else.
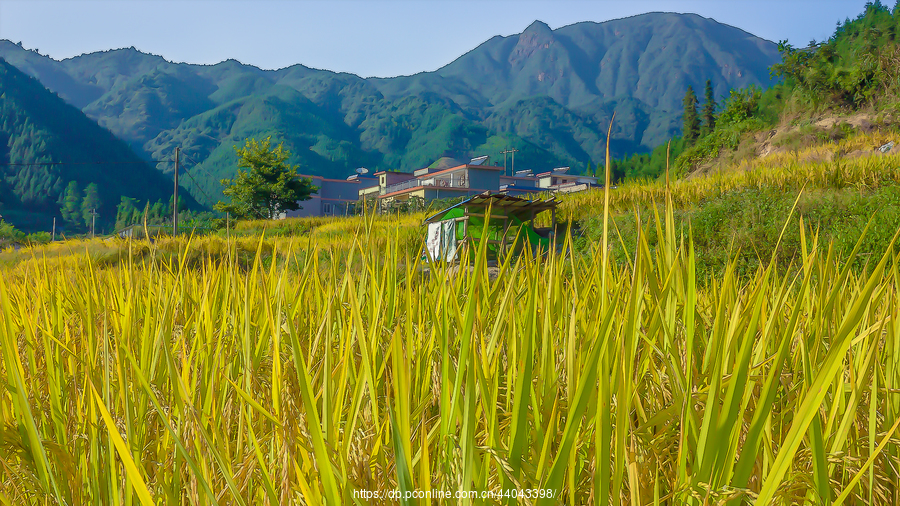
(481, 160)
(445, 163)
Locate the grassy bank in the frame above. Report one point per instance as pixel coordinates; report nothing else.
(739, 214)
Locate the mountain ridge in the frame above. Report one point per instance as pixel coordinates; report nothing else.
(502, 93)
(46, 144)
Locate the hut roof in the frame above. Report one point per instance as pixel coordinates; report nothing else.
(503, 204)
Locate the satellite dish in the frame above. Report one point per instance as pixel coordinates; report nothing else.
(362, 170)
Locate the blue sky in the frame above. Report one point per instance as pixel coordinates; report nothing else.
(369, 38)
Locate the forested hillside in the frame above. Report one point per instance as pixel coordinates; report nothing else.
(549, 93)
(57, 162)
(825, 92)
(856, 71)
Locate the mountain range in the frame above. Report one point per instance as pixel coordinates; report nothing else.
(49, 150)
(548, 93)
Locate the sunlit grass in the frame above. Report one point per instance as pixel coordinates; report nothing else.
(296, 369)
(819, 166)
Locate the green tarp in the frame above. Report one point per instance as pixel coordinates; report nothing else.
(495, 229)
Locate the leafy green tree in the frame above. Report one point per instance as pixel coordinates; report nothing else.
(90, 203)
(691, 121)
(126, 211)
(157, 213)
(71, 208)
(182, 205)
(741, 105)
(709, 110)
(9, 233)
(270, 186)
(36, 238)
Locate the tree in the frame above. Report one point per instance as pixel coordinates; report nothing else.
(9, 233)
(125, 212)
(71, 208)
(740, 106)
(182, 205)
(709, 110)
(690, 119)
(90, 203)
(270, 186)
(158, 213)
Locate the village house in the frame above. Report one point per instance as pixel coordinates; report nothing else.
(384, 188)
(335, 197)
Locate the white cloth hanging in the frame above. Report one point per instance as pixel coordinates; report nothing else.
(433, 241)
(448, 241)
(441, 241)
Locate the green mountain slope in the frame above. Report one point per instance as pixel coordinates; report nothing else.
(552, 92)
(47, 144)
(650, 58)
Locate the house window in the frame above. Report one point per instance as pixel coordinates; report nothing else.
(327, 208)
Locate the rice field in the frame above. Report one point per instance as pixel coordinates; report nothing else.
(349, 368)
(324, 363)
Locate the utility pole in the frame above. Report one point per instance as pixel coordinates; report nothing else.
(175, 198)
(93, 219)
(53, 234)
(504, 152)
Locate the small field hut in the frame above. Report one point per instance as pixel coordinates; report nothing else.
(510, 224)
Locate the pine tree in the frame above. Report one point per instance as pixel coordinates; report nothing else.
(691, 129)
(157, 212)
(125, 212)
(71, 206)
(90, 203)
(709, 110)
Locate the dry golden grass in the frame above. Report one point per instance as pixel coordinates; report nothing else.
(154, 382)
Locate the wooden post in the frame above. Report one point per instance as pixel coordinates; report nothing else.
(553, 223)
(466, 227)
(175, 198)
(53, 234)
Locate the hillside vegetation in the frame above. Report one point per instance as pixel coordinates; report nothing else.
(819, 152)
(57, 163)
(827, 91)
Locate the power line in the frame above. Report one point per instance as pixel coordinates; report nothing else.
(196, 183)
(77, 163)
(198, 164)
(197, 186)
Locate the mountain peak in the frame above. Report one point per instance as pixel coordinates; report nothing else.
(538, 28)
(536, 37)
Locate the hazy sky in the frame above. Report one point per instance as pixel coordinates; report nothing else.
(369, 38)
